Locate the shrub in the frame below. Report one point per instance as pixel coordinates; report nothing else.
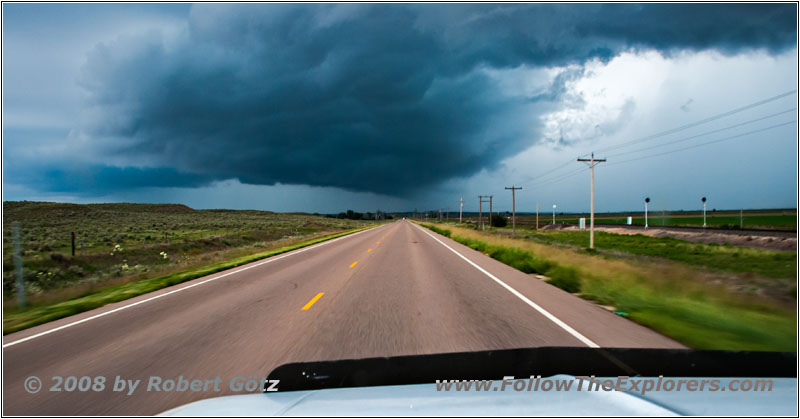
(499, 220)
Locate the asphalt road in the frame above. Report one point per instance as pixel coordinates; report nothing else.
(393, 290)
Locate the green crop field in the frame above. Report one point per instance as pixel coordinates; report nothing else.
(120, 243)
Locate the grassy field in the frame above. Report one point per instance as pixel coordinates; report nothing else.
(703, 305)
(729, 258)
(784, 220)
(120, 244)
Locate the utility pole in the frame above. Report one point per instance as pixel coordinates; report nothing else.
(461, 210)
(537, 215)
(554, 214)
(592, 163)
(480, 212)
(448, 215)
(481, 199)
(513, 208)
(741, 218)
(646, 201)
(490, 212)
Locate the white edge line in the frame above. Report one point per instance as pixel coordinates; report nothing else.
(268, 260)
(538, 308)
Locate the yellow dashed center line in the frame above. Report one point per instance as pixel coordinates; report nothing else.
(353, 264)
(313, 300)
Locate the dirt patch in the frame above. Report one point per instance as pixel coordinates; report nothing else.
(558, 226)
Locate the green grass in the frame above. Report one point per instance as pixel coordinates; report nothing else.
(14, 320)
(442, 231)
(701, 319)
(776, 222)
(772, 264)
(671, 299)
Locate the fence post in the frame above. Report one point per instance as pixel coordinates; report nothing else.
(18, 264)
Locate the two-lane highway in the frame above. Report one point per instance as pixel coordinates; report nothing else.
(397, 289)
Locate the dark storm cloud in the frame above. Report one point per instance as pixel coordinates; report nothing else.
(96, 180)
(381, 98)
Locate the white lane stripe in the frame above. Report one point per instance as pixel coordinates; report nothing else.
(538, 308)
(268, 260)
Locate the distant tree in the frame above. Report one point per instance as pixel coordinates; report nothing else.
(351, 215)
(499, 220)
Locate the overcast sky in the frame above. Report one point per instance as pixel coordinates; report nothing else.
(326, 107)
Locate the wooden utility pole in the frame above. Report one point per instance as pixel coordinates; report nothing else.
(461, 210)
(513, 189)
(592, 162)
(490, 212)
(480, 210)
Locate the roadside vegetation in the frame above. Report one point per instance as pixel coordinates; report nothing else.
(683, 290)
(124, 250)
(723, 257)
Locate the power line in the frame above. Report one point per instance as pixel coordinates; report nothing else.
(706, 143)
(705, 133)
(559, 179)
(700, 122)
(544, 174)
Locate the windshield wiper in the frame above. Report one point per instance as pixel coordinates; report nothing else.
(544, 361)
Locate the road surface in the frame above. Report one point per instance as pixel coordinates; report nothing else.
(397, 289)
